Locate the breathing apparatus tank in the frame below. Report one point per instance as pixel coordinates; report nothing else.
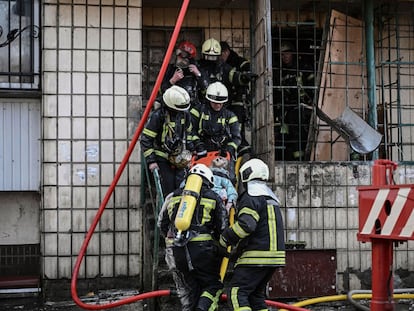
(190, 195)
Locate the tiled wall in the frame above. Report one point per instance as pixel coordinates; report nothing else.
(91, 87)
(321, 207)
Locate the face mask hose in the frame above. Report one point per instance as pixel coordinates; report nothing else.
(118, 174)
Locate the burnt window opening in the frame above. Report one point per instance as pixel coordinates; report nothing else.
(295, 61)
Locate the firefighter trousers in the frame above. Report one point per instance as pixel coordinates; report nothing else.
(246, 290)
(200, 264)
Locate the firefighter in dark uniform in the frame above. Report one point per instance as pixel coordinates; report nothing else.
(293, 104)
(166, 140)
(214, 69)
(185, 72)
(258, 234)
(215, 127)
(196, 252)
(241, 97)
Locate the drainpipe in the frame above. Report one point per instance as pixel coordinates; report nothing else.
(370, 56)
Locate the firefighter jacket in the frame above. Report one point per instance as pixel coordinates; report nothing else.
(209, 218)
(215, 130)
(167, 136)
(257, 231)
(240, 93)
(215, 71)
(195, 86)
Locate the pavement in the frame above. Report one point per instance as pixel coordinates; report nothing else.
(34, 303)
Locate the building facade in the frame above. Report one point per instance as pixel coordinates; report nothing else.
(75, 80)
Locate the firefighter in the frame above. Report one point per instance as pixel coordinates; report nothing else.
(167, 230)
(215, 127)
(185, 73)
(258, 234)
(166, 140)
(214, 69)
(293, 104)
(241, 96)
(195, 249)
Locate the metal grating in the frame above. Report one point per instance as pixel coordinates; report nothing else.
(19, 260)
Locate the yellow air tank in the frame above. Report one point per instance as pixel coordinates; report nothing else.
(188, 203)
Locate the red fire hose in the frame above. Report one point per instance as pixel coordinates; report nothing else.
(118, 174)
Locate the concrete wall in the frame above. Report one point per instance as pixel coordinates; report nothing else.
(20, 218)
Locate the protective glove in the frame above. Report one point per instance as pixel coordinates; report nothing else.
(223, 153)
(222, 249)
(247, 77)
(232, 152)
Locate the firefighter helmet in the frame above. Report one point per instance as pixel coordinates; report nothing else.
(203, 171)
(187, 49)
(217, 93)
(176, 98)
(211, 49)
(254, 169)
(286, 46)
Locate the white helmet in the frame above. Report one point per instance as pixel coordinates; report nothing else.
(217, 93)
(203, 171)
(211, 49)
(177, 98)
(254, 169)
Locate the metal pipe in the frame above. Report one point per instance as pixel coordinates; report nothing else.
(370, 56)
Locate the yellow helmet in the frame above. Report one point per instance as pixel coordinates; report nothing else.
(211, 49)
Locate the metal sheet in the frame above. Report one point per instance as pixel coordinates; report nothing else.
(20, 145)
(308, 273)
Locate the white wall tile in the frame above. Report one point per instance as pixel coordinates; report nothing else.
(107, 106)
(79, 15)
(64, 174)
(107, 39)
(121, 265)
(65, 15)
(121, 220)
(92, 106)
(64, 83)
(78, 105)
(107, 61)
(107, 17)
(107, 154)
(50, 82)
(49, 174)
(120, 17)
(78, 83)
(50, 221)
(120, 39)
(78, 126)
(65, 37)
(92, 128)
(92, 266)
(49, 15)
(50, 267)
